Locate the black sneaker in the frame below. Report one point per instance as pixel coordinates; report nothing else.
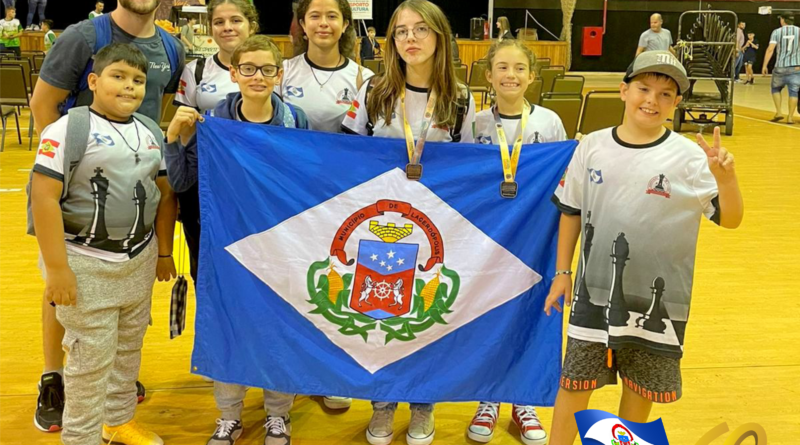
(50, 405)
(139, 392)
(226, 433)
(279, 431)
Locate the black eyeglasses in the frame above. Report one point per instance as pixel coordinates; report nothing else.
(420, 32)
(249, 70)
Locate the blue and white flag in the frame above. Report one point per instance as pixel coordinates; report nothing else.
(601, 428)
(324, 270)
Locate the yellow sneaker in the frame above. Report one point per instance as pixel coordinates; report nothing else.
(130, 434)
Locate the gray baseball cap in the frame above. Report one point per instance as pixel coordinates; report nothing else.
(662, 62)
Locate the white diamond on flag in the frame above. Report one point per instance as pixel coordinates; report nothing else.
(448, 270)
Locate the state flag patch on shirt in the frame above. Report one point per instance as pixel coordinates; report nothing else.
(351, 113)
(48, 148)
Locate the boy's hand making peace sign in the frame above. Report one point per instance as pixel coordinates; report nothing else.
(720, 161)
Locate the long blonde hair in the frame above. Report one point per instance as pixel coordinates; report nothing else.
(386, 88)
(505, 26)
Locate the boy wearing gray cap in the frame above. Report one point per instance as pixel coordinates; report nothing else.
(636, 193)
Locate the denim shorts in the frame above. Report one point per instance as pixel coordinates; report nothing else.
(786, 77)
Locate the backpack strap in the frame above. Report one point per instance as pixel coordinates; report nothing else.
(370, 124)
(198, 71)
(78, 128)
(289, 116)
(461, 111)
(173, 49)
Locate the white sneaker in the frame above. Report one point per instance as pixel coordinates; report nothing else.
(531, 431)
(333, 402)
(482, 427)
(381, 427)
(421, 429)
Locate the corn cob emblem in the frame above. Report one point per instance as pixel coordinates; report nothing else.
(428, 293)
(335, 284)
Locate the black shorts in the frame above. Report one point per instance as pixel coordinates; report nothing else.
(654, 377)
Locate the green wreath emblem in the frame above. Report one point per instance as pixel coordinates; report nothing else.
(426, 311)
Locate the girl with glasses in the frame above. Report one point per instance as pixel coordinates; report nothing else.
(419, 92)
(323, 78)
(255, 70)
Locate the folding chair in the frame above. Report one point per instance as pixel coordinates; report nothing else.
(534, 92)
(568, 84)
(27, 67)
(14, 91)
(38, 61)
(477, 79)
(374, 65)
(539, 64)
(601, 109)
(461, 73)
(548, 76)
(568, 108)
(6, 111)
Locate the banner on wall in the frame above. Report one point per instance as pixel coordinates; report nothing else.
(362, 9)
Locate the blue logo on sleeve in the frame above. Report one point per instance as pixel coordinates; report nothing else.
(294, 91)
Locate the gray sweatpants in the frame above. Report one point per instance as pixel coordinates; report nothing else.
(230, 401)
(103, 341)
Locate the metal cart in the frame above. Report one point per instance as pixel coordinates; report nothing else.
(707, 49)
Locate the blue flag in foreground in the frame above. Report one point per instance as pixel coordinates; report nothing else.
(601, 428)
(324, 270)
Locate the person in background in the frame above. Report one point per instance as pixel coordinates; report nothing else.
(656, 38)
(750, 52)
(10, 30)
(370, 48)
(740, 41)
(784, 41)
(98, 10)
(32, 7)
(504, 29)
(49, 35)
(187, 34)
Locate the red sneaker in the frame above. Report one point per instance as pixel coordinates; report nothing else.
(530, 429)
(481, 429)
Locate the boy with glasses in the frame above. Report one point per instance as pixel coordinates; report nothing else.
(256, 68)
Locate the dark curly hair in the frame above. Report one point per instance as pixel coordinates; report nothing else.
(347, 43)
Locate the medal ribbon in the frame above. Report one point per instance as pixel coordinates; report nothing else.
(510, 161)
(415, 151)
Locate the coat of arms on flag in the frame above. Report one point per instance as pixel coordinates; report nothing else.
(324, 270)
(383, 293)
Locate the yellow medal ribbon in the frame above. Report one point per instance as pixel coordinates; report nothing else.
(415, 150)
(511, 160)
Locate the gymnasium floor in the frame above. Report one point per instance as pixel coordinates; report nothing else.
(743, 348)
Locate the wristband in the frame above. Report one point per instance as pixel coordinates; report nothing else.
(563, 272)
(165, 256)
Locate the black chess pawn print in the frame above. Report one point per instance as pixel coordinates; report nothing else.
(584, 313)
(616, 311)
(654, 318)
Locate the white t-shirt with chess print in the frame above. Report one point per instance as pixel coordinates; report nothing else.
(325, 94)
(110, 208)
(543, 126)
(214, 86)
(640, 210)
(416, 101)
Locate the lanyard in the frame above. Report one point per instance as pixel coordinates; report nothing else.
(511, 160)
(415, 150)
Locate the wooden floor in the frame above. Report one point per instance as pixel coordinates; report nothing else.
(742, 361)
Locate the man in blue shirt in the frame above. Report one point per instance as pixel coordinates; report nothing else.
(784, 42)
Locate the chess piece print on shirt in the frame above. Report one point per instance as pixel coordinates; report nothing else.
(584, 313)
(617, 311)
(653, 319)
